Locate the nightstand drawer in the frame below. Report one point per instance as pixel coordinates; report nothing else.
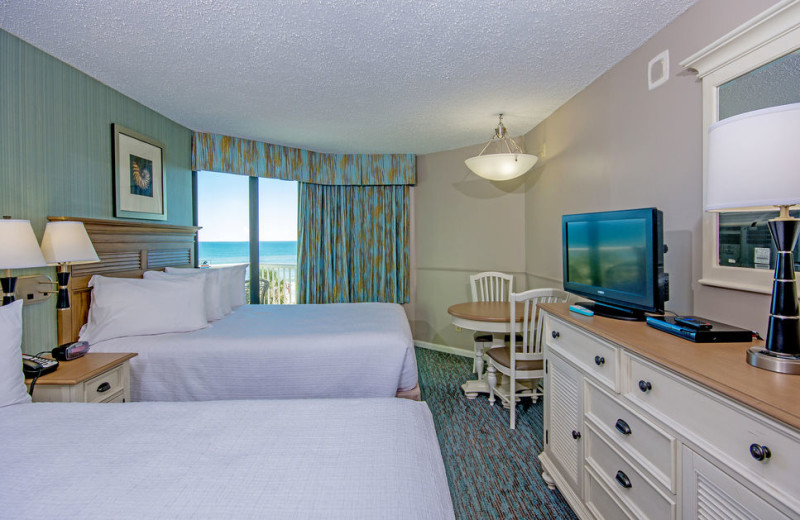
(598, 358)
(119, 397)
(625, 481)
(100, 388)
(727, 430)
(652, 447)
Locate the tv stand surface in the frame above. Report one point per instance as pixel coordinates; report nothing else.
(609, 311)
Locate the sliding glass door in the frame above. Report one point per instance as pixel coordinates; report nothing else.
(253, 221)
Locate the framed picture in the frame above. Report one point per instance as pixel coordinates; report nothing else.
(139, 184)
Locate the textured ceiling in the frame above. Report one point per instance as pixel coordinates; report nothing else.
(353, 76)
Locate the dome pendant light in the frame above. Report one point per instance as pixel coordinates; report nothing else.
(503, 165)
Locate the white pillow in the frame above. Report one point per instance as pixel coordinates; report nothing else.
(213, 288)
(233, 280)
(12, 382)
(134, 306)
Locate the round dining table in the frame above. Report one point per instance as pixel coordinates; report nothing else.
(489, 317)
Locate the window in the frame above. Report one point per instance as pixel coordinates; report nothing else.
(755, 66)
(248, 220)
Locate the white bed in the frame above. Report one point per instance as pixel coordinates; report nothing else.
(332, 458)
(277, 351)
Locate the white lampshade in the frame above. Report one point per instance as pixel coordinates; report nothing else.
(67, 242)
(18, 245)
(501, 166)
(754, 160)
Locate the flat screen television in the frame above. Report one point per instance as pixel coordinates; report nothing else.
(616, 259)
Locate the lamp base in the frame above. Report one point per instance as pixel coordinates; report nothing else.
(785, 364)
(9, 286)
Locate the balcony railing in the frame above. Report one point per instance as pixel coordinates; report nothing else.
(278, 284)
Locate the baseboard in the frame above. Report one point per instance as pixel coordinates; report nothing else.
(444, 348)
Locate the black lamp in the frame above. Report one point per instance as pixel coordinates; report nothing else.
(66, 243)
(18, 249)
(753, 162)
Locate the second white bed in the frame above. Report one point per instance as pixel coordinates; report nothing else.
(277, 351)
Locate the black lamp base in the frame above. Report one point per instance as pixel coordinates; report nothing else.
(9, 285)
(63, 290)
(781, 352)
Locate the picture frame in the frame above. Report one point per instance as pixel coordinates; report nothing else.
(139, 180)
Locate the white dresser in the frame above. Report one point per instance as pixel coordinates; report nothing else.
(643, 425)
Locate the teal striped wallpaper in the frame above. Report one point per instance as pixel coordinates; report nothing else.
(55, 153)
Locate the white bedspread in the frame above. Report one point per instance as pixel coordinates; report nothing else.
(277, 351)
(321, 459)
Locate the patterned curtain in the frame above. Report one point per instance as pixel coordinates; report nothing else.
(353, 244)
(221, 153)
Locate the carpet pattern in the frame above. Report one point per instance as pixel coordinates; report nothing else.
(493, 471)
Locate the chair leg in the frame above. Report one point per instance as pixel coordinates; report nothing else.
(512, 412)
(492, 383)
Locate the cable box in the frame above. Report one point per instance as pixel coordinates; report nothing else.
(712, 331)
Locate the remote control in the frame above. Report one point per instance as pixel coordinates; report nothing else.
(693, 322)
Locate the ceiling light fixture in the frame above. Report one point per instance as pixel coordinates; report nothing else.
(506, 164)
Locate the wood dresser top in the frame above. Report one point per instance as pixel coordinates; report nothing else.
(721, 367)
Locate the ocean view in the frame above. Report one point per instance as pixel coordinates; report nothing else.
(284, 253)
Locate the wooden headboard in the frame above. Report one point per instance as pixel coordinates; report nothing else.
(126, 250)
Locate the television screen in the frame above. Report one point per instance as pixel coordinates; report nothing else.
(609, 254)
(616, 258)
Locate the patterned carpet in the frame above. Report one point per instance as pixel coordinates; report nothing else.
(493, 471)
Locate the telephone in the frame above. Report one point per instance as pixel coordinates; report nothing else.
(34, 366)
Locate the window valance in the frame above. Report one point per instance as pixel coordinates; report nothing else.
(226, 154)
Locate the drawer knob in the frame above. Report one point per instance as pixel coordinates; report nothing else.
(555, 334)
(623, 480)
(599, 360)
(623, 427)
(760, 452)
(104, 387)
(576, 434)
(645, 386)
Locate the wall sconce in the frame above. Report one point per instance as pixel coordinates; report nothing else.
(66, 243)
(19, 249)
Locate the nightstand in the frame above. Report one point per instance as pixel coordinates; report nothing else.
(93, 378)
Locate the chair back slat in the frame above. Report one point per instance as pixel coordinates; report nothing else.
(531, 326)
(491, 286)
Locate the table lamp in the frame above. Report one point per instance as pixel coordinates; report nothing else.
(66, 243)
(753, 162)
(18, 249)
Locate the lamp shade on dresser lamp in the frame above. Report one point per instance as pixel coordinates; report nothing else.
(753, 163)
(66, 243)
(18, 250)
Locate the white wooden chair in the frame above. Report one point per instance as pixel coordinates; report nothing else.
(524, 361)
(490, 286)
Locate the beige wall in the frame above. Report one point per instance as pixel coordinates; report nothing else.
(615, 145)
(462, 225)
(618, 145)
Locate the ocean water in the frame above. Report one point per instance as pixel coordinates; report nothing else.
(239, 253)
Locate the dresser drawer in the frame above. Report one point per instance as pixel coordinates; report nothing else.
(626, 482)
(598, 358)
(720, 427)
(647, 444)
(101, 388)
(601, 502)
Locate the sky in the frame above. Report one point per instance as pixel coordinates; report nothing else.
(222, 202)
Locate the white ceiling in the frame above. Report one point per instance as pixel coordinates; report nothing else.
(351, 76)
